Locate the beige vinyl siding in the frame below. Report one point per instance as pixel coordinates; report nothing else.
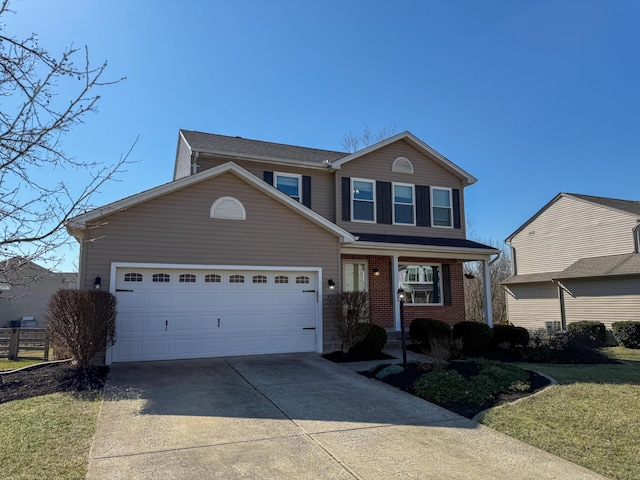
(176, 229)
(377, 166)
(183, 160)
(531, 305)
(321, 180)
(568, 230)
(605, 300)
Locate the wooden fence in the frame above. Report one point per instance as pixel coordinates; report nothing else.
(24, 343)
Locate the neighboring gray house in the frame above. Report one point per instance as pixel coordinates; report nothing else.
(576, 259)
(239, 254)
(25, 289)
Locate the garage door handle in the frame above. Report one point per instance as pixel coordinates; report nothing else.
(308, 328)
(308, 291)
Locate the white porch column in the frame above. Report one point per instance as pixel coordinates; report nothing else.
(394, 295)
(488, 310)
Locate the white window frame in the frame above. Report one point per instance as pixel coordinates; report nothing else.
(353, 200)
(431, 192)
(440, 283)
(394, 203)
(298, 177)
(365, 263)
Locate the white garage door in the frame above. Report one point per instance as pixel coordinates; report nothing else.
(171, 313)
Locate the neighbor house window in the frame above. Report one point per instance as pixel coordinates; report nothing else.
(161, 278)
(212, 278)
(289, 184)
(354, 276)
(363, 200)
(422, 284)
(132, 277)
(403, 204)
(441, 207)
(187, 278)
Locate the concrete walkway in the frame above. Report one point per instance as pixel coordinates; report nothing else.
(292, 417)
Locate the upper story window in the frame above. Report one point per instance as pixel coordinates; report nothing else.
(289, 184)
(422, 284)
(132, 277)
(403, 204)
(441, 207)
(363, 200)
(402, 165)
(228, 208)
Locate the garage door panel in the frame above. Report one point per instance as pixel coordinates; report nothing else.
(211, 316)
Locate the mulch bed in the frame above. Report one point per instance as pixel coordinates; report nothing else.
(50, 378)
(405, 380)
(341, 357)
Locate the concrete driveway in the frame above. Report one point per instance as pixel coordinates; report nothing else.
(292, 417)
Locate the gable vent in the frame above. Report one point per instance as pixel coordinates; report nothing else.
(402, 165)
(228, 208)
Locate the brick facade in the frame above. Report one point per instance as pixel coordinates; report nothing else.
(382, 292)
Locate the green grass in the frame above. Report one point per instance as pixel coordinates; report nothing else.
(47, 437)
(6, 364)
(592, 417)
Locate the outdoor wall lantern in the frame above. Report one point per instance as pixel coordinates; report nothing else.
(332, 285)
(401, 298)
(376, 272)
(97, 283)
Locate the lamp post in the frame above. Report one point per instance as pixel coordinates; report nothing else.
(404, 343)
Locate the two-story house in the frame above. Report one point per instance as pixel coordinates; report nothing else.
(241, 252)
(575, 259)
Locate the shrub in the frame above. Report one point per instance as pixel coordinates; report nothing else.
(563, 347)
(373, 342)
(423, 330)
(475, 336)
(351, 313)
(509, 336)
(595, 330)
(521, 337)
(82, 322)
(627, 334)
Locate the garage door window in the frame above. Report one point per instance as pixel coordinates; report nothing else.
(132, 277)
(236, 279)
(187, 278)
(282, 279)
(212, 278)
(161, 278)
(259, 279)
(302, 279)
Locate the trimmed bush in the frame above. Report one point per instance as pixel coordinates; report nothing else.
(82, 322)
(627, 334)
(373, 342)
(475, 336)
(563, 347)
(595, 330)
(521, 337)
(509, 336)
(423, 330)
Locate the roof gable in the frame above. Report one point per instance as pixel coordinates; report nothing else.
(626, 206)
(80, 222)
(419, 145)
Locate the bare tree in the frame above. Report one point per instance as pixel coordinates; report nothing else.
(352, 142)
(499, 269)
(35, 195)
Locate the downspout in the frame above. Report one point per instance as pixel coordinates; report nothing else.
(194, 163)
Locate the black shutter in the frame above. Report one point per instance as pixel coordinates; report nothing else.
(306, 191)
(268, 177)
(346, 199)
(383, 202)
(436, 285)
(423, 206)
(446, 283)
(455, 193)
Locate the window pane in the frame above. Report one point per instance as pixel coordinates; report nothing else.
(402, 194)
(363, 211)
(421, 283)
(442, 217)
(288, 185)
(403, 213)
(362, 190)
(355, 277)
(441, 198)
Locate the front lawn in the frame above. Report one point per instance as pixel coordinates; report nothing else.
(6, 364)
(47, 436)
(592, 417)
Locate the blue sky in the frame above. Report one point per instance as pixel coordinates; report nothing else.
(533, 97)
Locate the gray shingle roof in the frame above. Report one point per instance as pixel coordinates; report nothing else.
(238, 146)
(608, 266)
(530, 278)
(630, 206)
